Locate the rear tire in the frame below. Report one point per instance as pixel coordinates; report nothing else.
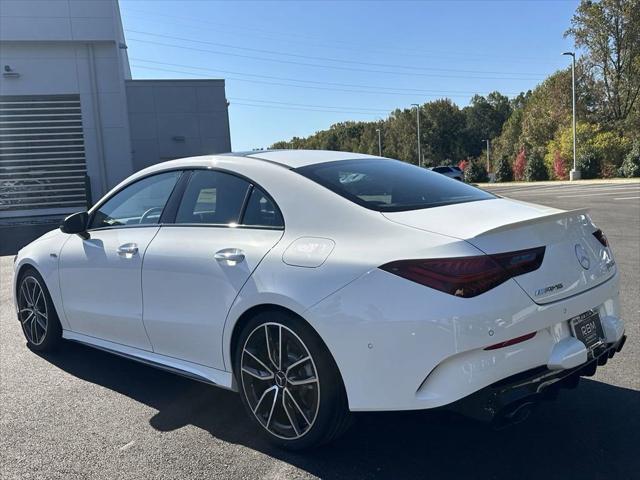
(289, 383)
(36, 313)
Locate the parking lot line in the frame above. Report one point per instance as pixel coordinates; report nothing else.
(626, 198)
(611, 192)
(542, 188)
(540, 191)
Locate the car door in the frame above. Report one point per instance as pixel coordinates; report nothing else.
(100, 276)
(194, 268)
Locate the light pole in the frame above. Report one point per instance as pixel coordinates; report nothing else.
(488, 157)
(418, 121)
(379, 142)
(575, 173)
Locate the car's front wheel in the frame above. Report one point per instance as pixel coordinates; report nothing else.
(36, 312)
(289, 382)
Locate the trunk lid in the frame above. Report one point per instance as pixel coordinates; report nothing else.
(574, 259)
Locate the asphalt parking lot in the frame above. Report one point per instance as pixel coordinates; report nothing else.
(82, 413)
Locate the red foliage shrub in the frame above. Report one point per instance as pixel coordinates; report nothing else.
(519, 165)
(608, 171)
(463, 164)
(559, 167)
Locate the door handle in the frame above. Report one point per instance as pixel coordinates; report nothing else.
(128, 250)
(231, 255)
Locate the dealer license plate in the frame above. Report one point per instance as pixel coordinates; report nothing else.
(587, 328)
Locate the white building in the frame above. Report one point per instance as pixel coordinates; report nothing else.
(73, 123)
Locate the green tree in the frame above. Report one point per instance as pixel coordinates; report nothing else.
(400, 136)
(537, 115)
(548, 108)
(476, 172)
(589, 164)
(631, 165)
(504, 171)
(442, 130)
(484, 118)
(509, 143)
(536, 169)
(609, 146)
(609, 32)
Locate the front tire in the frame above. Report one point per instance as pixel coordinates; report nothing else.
(289, 383)
(36, 313)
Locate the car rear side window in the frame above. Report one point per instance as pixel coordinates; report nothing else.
(261, 211)
(391, 185)
(212, 197)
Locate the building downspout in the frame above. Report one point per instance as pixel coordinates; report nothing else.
(97, 120)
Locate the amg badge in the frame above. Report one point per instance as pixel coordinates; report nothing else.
(549, 289)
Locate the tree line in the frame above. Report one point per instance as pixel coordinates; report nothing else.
(530, 134)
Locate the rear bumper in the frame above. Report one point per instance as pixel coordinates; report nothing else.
(499, 399)
(401, 346)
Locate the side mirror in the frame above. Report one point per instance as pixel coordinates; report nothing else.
(76, 223)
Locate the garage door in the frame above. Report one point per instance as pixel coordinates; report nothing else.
(42, 159)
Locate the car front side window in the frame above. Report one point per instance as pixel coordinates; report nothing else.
(140, 203)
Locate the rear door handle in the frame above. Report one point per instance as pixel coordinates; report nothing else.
(128, 250)
(231, 255)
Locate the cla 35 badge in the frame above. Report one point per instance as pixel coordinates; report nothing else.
(583, 258)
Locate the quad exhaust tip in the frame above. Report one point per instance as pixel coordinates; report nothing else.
(487, 405)
(513, 414)
(519, 413)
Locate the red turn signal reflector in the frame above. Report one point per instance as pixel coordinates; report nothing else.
(513, 341)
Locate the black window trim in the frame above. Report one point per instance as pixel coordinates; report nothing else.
(173, 203)
(97, 206)
(169, 220)
(168, 215)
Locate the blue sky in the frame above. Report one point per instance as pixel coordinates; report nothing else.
(295, 67)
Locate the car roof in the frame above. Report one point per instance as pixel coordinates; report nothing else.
(302, 158)
(284, 158)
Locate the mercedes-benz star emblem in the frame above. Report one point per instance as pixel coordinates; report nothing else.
(583, 258)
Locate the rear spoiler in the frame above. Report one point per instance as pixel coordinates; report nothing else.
(535, 220)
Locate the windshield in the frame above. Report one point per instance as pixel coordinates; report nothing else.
(391, 185)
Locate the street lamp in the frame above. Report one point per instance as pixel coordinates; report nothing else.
(379, 142)
(418, 121)
(488, 157)
(575, 173)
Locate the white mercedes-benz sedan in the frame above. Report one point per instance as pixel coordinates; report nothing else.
(321, 283)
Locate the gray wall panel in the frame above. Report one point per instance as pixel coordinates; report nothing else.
(176, 118)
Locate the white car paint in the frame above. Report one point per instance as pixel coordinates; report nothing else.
(179, 306)
(398, 344)
(101, 289)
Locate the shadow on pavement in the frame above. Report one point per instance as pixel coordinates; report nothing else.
(592, 432)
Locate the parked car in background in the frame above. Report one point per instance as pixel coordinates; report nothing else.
(451, 172)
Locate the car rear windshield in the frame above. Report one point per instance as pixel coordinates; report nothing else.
(391, 185)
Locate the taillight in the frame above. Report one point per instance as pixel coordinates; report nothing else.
(602, 238)
(468, 276)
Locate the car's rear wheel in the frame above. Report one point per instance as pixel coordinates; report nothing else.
(289, 383)
(36, 312)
